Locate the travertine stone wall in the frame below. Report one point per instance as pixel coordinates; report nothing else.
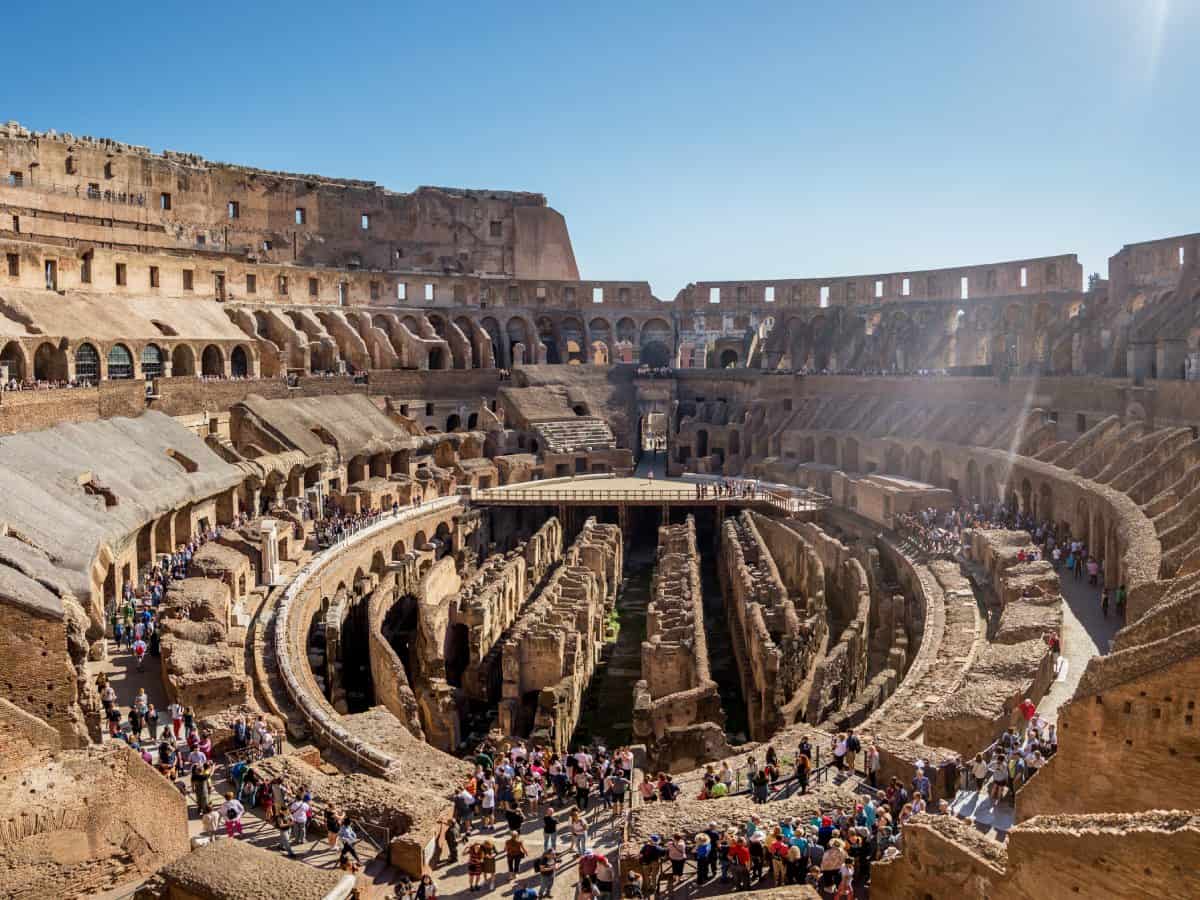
(79, 822)
(200, 668)
(777, 633)
(676, 705)
(490, 602)
(551, 651)
(1101, 855)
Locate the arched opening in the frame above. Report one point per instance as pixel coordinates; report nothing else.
(49, 363)
(458, 653)
(87, 364)
(729, 359)
(702, 443)
(152, 361)
(973, 491)
(442, 535)
(419, 542)
(183, 360)
(518, 333)
(437, 359)
(239, 363)
(472, 421)
(357, 470)
(400, 629)
(12, 357)
(212, 363)
(120, 362)
(735, 443)
(850, 455)
(1045, 506)
(656, 355)
(453, 422)
(399, 551)
(828, 451)
(935, 468)
(1026, 496)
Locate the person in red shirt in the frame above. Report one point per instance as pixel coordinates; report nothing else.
(739, 858)
(1028, 711)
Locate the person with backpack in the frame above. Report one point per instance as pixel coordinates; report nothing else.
(853, 747)
(232, 812)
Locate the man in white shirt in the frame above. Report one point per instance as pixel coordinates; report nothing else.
(299, 813)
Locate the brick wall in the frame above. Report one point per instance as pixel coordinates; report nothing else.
(38, 676)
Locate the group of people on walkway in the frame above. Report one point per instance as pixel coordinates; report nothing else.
(528, 783)
(1015, 757)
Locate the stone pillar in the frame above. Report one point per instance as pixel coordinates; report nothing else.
(269, 529)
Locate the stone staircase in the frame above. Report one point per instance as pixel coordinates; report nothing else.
(583, 433)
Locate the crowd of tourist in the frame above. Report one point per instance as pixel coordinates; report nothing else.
(14, 384)
(1015, 757)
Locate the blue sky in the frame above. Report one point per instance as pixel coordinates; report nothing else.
(681, 141)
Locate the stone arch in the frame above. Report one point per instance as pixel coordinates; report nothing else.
(702, 442)
(491, 327)
(453, 422)
(729, 359)
(120, 362)
(13, 356)
(152, 361)
(656, 331)
(399, 551)
(212, 361)
(1080, 528)
(239, 362)
(518, 332)
(50, 363)
(916, 464)
(600, 355)
(656, 354)
(87, 363)
(1045, 501)
(419, 541)
(437, 358)
(463, 324)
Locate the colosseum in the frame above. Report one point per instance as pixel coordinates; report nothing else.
(362, 533)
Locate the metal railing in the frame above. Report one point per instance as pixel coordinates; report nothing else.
(800, 503)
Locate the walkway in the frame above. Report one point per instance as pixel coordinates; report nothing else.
(1086, 632)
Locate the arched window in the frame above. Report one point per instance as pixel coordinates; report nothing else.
(87, 363)
(120, 362)
(152, 361)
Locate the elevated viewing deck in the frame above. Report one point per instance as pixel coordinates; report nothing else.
(629, 491)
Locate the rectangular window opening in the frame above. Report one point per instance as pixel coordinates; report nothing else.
(251, 284)
(878, 289)
(963, 288)
(1182, 256)
(120, 273)
(189, 280)
(301, 215)
(597, 295)
(312, 287)
(824, 296)
(365, 221)
(429, 291)
(496, 228)
(164, 201)
(14, 265)
(51, 275)
(401, 290)
(234, 209)
(714, 295)
(283, 284)
(374, 290)
(154, 276)
(905, 287)
(1024, 277)
(16, 179)
(770, 294)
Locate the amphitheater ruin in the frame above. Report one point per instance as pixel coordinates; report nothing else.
(400, 490)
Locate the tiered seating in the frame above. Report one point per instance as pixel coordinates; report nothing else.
(583, 433)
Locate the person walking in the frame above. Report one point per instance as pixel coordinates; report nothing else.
(348, 838)
(514, 852)
(579, 832)
(547, 866)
